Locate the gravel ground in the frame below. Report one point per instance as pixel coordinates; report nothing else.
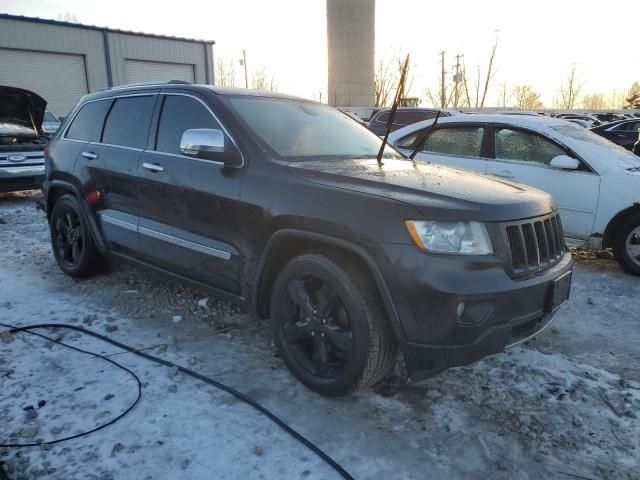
(565, 405)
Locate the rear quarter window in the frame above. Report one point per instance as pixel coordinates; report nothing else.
(89, 118)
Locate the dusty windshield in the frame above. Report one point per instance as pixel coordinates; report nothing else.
(583, 135)
(300, 130)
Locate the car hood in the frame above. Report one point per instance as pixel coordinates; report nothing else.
(21, 107)
(438, 192)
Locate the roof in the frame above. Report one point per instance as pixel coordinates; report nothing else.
(177, 84)
(60, 23)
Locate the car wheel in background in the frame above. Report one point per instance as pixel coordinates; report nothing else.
(626, 246)
(330, 325)
(71, 240)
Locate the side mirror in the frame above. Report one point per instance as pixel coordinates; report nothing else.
(209, 144)
(565, 162)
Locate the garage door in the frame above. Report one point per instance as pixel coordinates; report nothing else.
(60, 79)
(136, 71)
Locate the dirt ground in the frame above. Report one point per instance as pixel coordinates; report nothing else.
(564, 405)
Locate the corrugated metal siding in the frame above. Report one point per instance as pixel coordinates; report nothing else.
(58, 78)
(24, 35)
(143, 71)
(125, 48)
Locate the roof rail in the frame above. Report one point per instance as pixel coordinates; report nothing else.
(146, 84)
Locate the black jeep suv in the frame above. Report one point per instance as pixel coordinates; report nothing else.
(279, 204)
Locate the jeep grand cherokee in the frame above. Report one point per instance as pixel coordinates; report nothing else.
(279, 204)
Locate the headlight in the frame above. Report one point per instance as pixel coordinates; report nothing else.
(466, 238)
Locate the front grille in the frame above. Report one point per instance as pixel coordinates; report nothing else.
(535, 244)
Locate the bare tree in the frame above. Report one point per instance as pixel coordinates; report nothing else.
(570, 90)
(594, 101)
(527, 98)
(632, 99)
(225, 74)
(504, 95)
(68, 17)
(261, 81)
(387, 77)
(481, 85)
(490, 73)
(384, 82)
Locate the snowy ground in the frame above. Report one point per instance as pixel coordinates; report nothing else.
(565, 405)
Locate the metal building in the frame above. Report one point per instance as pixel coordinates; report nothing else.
(351, 44)
(62, 61)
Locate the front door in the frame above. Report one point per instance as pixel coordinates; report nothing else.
(524, 156)
(189, 207)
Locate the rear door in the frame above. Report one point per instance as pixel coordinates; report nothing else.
(524, 156)
(112, 166)
(457, 145)
(189, 207)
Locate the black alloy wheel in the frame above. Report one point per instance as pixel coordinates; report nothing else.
(71, 240)
(330, 325)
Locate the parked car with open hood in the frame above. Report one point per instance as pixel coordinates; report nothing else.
(22, 140)
(296, 220)
(595, 182)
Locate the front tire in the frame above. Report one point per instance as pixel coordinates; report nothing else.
(626, 246)
(330, 325)
(71, 240)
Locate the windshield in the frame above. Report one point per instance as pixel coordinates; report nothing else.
(48, 117)
(583, 135)
(299, 130)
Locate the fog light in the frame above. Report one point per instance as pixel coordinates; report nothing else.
(460, 309)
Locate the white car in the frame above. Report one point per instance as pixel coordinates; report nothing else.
(596, 184)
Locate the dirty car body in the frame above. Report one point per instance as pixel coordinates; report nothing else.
(307, 186)
(22, 140)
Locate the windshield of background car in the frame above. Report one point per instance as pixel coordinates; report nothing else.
(300, 130)
(48, 117)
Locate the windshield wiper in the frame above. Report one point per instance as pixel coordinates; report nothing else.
(423, 138)
(399, 94)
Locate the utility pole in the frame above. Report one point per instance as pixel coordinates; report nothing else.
(443, 94)
(244, 62)
(456, 80)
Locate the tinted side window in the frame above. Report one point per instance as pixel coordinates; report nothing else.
(86, 123)
(525, 146)
(407, 118)
(179, 114)
(383, 117)
(128, 122)
(465, 141)
(628, 127)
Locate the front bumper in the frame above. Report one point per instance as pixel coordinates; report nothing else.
(497, 311)
(23, 177)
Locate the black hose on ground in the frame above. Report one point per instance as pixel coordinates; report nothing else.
(281, 423)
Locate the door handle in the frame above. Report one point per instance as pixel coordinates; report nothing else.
(504, 174)
(89, 155)
(153, 167)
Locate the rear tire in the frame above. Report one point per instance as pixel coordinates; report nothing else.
(330, 325)
(626, 244)
(71, 240)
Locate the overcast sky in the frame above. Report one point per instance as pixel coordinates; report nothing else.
(538, 41)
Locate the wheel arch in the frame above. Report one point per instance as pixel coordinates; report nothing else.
(287, 243)
(615, 222)
(58, 188)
